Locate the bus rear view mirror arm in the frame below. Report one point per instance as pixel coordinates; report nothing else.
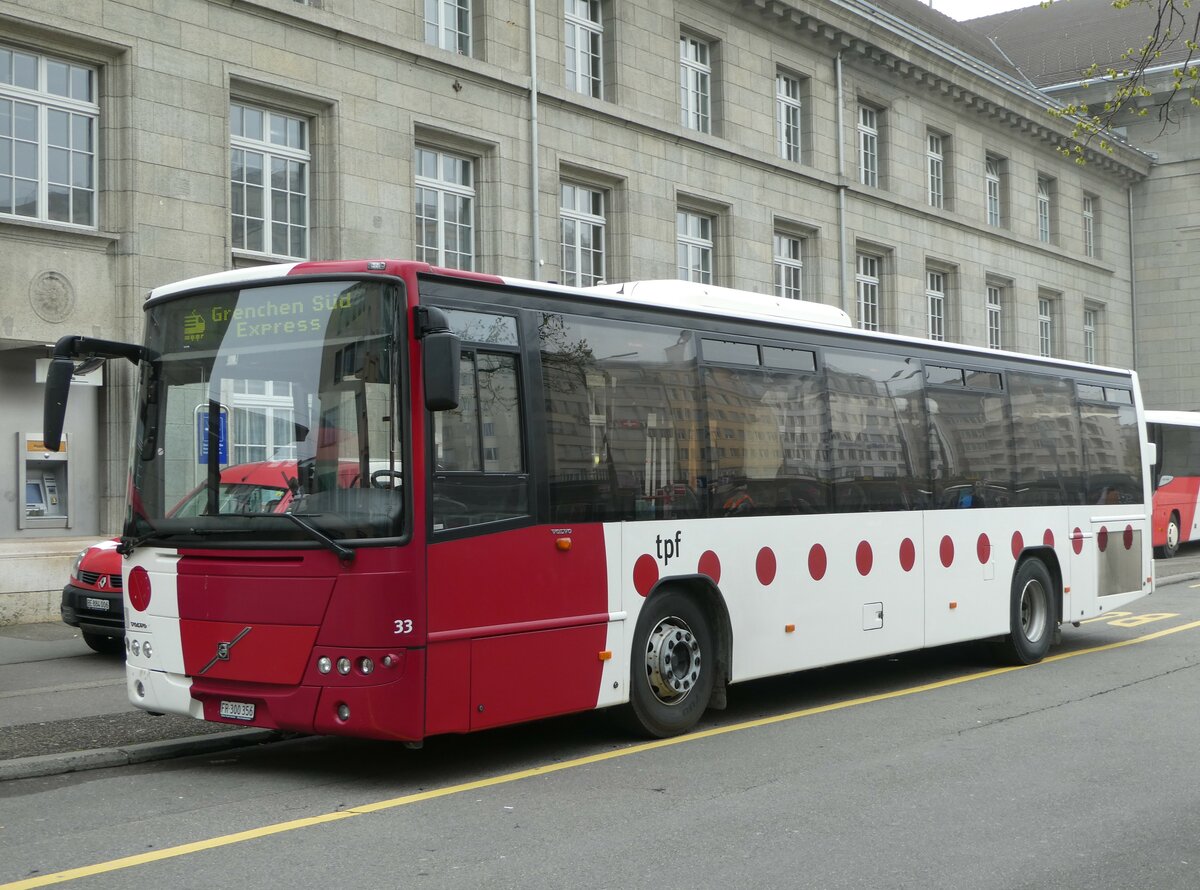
(77, 355)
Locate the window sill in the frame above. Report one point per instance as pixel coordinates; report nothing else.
(55, 233)
(246, 258)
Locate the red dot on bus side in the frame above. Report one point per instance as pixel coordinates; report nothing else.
(1048, 538)
(1077, 541)
(645, 574)
(1102, 539)
(1018, 544)
(818, 562)
(983, 549)
(710, 564)
(864, 558)
(1128, 537)
(908, 554)
(765, 566)
(946, 551)
(138, 593)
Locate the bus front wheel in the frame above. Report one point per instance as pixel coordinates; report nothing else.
(1031, 615)
(673, 664)
(1171, 547)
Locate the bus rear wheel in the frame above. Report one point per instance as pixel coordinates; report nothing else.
(1171, 547)
(673, 665)
(1031, 615)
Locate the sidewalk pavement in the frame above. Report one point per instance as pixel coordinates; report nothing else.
(63, 707)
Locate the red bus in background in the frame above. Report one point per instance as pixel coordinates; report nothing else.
(558, 499)
(1176, 479)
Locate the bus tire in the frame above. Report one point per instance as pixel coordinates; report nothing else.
(673, 665)
(1032, 620)
(1171, 547)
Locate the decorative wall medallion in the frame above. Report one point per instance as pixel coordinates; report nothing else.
(52, 296)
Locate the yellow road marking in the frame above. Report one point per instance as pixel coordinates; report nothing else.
(507, 778)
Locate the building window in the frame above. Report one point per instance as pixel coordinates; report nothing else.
(263, 420)
(1091, 319)
(787, 116)
(789, 266)
(994, 167)
(1044, 190)
(445, 199)
(448, 25)
(695, 83)
(1089, 225)
(583, 221)
(866, 282)
(1045, 326)
(935, 302)
(48, 119)
(694, 240)
(268, 181)
(935, 169)
(584, 35)
(868, 145)
(995, 337)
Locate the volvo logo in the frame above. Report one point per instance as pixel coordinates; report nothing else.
(223, 650)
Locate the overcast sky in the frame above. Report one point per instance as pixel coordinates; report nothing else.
(973, 9)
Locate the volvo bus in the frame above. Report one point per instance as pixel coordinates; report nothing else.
(630, 496)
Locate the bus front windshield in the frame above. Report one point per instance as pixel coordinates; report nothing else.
(267, 401)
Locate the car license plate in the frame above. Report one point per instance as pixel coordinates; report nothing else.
(96, 603)
(237, 710)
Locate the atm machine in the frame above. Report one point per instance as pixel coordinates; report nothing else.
(44, 477)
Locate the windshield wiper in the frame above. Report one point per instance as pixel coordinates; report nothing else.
(344, 553)
(129, 543)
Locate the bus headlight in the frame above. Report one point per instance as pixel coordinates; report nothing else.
(324, 664)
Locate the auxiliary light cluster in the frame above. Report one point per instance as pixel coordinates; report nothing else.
(344, 664)
(138, 648)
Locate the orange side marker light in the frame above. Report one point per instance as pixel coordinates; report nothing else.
(563, 544)
(605, 655)
(953, 604)
(789, 628)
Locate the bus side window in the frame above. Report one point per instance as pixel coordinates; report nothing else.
(479, 460)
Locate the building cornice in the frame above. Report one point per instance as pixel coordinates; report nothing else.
(978, 87)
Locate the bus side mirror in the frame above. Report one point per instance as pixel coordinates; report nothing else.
(54, 408)
(442, 351)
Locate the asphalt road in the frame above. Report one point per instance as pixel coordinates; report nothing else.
(927, 770)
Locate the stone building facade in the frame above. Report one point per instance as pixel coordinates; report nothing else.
(1053, 47)
(875, 156)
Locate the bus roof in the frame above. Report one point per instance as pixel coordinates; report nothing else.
(726, 300)
(664, 293)
(1174, 418)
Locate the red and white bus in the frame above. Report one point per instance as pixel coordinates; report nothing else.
(1176, 479)
(571, 499)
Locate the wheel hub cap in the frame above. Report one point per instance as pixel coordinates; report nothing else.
(672, 660)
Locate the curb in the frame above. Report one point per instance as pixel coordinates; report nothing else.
(143, 752)
(1172, 579)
